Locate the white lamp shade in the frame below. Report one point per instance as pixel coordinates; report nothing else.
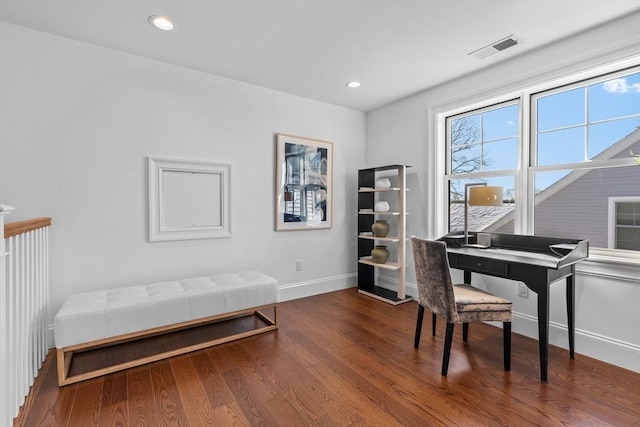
(485, 196)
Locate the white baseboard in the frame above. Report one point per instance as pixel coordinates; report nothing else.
(315, 287)
(50, 339)
(606, 349)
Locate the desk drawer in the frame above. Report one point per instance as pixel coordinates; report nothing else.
(483, 266)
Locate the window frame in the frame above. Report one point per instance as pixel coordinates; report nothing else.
(526, 170)
(612, 223)
(583, 83)
(482, 174)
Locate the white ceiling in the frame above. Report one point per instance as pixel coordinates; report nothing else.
(311, 48)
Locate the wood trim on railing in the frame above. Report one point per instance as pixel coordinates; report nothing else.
(19, 227)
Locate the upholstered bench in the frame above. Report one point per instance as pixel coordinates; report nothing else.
(91, 320)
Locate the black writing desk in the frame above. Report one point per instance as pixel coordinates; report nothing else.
(535, 261)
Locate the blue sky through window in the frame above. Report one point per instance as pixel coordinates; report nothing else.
(565, 135)
(500, 123)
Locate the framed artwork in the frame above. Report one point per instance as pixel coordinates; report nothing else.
(304, 183)
(188, 199)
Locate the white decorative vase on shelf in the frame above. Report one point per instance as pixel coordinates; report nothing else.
(381, 207)
(383, 183)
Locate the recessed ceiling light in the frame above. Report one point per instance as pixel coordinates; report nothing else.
(353, 84)
(161, 22)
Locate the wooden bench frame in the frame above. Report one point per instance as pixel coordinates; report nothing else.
(65, 354)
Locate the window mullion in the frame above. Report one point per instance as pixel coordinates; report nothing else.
(482, 118)
(585, 135)
(524, 180)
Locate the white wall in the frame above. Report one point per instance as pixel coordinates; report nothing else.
(76, 124)
(608, 296)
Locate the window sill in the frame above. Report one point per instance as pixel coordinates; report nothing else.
(614, 256)
(602, 264)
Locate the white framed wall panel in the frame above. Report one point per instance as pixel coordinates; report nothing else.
(188, 199)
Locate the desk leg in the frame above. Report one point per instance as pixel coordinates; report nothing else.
(543, 331)
(467, 277)
(571, 313)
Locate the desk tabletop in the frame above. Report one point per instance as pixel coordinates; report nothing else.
(510, 255)
(549, 252)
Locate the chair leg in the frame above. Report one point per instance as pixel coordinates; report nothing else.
(506, 338)
(433, 324)
(447, 348)
(465, 331)
(416, 340)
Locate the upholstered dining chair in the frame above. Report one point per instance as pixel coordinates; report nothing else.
(461, 303)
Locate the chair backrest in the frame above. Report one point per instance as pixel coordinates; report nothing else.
(435, 288)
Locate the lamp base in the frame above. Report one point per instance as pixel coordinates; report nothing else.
(455, 236)
(473, 245)
(453, 240)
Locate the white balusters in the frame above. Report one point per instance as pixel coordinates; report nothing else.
(24, 300)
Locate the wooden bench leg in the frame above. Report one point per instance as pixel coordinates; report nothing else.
(64, 364)
(269, 320)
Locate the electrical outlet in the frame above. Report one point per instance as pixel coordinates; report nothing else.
(298, 265)
(523, 291)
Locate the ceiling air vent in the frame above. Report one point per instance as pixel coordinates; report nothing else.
(495, 47)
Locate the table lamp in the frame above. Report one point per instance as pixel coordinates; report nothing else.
(479, 194)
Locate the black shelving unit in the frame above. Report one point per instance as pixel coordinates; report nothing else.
(367, 197)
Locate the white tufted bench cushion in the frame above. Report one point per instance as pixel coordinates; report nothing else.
(97, 316)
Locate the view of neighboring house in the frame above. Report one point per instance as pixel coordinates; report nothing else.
(481, 218)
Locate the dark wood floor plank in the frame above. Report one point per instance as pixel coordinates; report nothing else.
(230, 415)
(367, 411)
(142, 403)
(312, 388)
(221, 358)
(303, 356)
(114, 411)
(253, 407)
(293, 360)
(578, 417)
(197, 407)
(64, 402)
(305, 392)
(87, 404)
(212, 381)
(167, 396)
(285, 413)
(259, 381)
(342, 359)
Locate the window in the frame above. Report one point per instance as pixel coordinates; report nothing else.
(563, 153)
(483, 147)
(582, 136)
(624, 223)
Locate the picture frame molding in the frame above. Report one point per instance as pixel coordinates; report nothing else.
(282, 186)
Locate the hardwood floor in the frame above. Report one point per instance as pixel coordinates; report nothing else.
(343, 359)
